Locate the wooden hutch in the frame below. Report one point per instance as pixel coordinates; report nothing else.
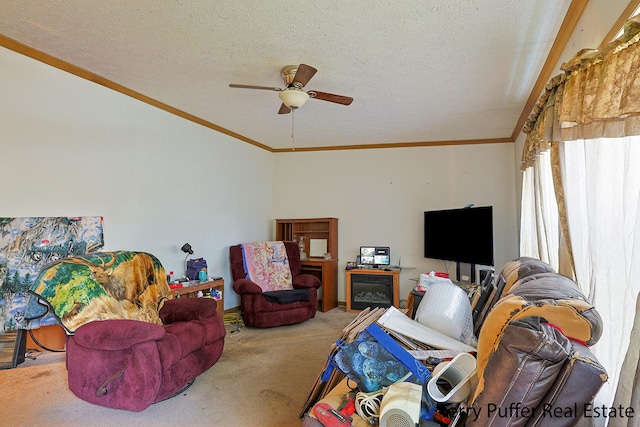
(316, 233)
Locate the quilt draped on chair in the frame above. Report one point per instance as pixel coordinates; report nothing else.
(267, 265)
(101, 286)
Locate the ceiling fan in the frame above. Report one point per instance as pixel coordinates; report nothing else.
(293, 97)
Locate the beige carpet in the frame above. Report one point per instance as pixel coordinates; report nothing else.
(262, 379)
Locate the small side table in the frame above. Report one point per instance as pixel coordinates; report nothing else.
(190, 289)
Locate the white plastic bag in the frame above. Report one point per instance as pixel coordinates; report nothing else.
(445, 307)
(428, 279)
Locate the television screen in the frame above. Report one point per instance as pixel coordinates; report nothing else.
(461, 235)
(381, 259)
(374, 255)
(367, 255)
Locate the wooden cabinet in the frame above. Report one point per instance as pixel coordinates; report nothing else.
(50, 337)
(327, 271)
(317, 229)
(316, 232)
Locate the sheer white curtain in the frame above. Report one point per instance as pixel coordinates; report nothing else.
(539, 230)
(585, 133)
(602, 192)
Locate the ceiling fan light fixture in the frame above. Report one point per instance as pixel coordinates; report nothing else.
(293, 98)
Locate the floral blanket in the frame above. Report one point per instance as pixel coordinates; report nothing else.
(100, 286)
(267, 265)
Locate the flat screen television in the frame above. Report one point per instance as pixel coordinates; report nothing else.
(463, 235)
(375, 256)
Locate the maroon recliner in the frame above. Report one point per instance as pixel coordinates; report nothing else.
(130, 364)
(257, 309)
(129, 343)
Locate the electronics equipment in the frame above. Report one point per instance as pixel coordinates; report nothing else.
(368, 404)
(329, 417)
(460, 235)
(461, 416)
(486, 289)
(375, 256)
(482, 271)
(400, 406)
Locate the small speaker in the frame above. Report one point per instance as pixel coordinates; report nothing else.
(12, 348)
(400, 406)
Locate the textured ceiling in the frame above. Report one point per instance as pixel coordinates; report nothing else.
(419, 71)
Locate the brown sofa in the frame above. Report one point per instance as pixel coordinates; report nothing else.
(534, 363)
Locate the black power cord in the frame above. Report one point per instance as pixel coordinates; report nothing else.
(42, 346)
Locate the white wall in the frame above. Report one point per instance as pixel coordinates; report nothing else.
(70, 147)
(380, 195)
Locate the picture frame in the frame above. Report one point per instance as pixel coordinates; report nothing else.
(12, 348)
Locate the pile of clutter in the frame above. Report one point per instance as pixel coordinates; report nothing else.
(530, 365)
(398, 371)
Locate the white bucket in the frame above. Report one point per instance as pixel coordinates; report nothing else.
(459, 374)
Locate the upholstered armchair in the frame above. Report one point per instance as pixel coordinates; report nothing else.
(272, 298)
(128, 364)
(129, 343)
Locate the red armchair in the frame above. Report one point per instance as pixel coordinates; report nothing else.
(258, 310)
(122, 351)
(129, 364)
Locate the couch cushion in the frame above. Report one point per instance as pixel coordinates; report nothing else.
(551, 296)
(582, 376)
(183, 338)
(259, 312)
(519, 268)
(288, 296)
(187, 309)
(521, 370)
(116, 334)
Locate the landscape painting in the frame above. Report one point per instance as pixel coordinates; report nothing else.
(29, 243)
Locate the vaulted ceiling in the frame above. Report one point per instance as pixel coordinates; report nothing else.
(420, 72)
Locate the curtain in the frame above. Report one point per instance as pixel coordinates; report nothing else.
(598, 96)
(628, 390)
(582, 145)
(602, 189)
(539, 231)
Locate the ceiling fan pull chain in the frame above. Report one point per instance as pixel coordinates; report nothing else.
(293, 138)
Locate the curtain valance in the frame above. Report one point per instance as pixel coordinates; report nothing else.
(597, 96)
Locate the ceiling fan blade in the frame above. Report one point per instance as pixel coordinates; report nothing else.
(284, 109)
(324, 96)
(304, 74)
(255, 87)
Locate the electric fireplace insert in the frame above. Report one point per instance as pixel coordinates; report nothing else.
(371, 290)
